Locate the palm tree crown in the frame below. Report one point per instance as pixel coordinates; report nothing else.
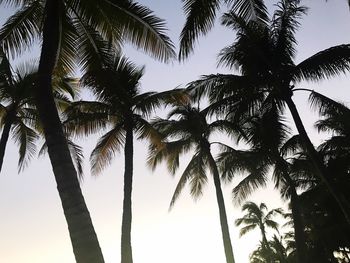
(186, 129)
(257, 216)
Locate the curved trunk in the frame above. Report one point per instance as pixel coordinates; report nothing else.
(83, 237)
(222, 211)
(317, 162)
(5, 135)
(126, 250)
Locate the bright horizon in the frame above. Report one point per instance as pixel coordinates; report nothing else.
(33, 227)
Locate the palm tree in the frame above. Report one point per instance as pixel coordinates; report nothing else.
(124, 110)
(186, 129)
(200, 18)
(264, 54)
(80, 30)
(17, 110)
(271, 146)
(278, 252)
(257, 216)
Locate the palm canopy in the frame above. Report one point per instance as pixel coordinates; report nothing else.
(118, 104)
(200, 18)
(257, 216)
(184, 130)
(87, 29)
(17, 109)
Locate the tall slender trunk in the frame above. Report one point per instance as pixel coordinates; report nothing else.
(265, 243)
(222, 210)
(300, 238)
(126, 250)
(5, 135)
(317, 162)
(263, 234)
(83, 237)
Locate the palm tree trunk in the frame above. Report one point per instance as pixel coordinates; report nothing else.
(5, 135)
(300, 238)
(83, 237)
(222, 211)
(263, 234)
(317, 162)
(265, 243)
(126, 250)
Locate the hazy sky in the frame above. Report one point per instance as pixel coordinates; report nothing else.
(33, 228)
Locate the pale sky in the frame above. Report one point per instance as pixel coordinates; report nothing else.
(33, 228)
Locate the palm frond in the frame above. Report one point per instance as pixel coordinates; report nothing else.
(251, 10)
(86, 117)
(147, 103)
(146, 130)
(169, 152)
(195, 172)
(25, 137)
(244, 230)
(249, 184)
(324, 64)
(76, 152)
(92, 50)
(200, 18)
(67, 46)
(284, 25)
(326, 106)
(143, 29)
(291, 146)
(107, 146)
(21, 30)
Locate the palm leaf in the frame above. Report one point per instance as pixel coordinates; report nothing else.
(195, 171)
(106, 148)
(324, 64)
(244, 230)
(25, 138)
(142, 28)
(251, 10)
(249, 184)
(24, 27)
(200, 18)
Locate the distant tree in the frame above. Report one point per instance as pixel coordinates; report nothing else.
(258, 217)
(185, 129)
(123, 110)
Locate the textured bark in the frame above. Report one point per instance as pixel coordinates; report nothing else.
(83, 237)
(222, 210)
(5, 135)
(126, 250)
(317, 162)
